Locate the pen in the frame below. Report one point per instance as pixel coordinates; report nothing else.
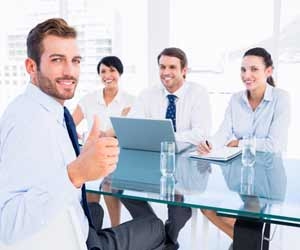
(206, 141)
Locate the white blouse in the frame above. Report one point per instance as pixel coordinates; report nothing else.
(93, 103)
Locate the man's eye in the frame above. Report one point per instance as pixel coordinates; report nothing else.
(77, 61)
(56, 59)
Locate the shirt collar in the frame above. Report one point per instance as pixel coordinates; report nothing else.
(268, 95)
(118, 96)
(46, 101)
(179, 92)
(101, 97)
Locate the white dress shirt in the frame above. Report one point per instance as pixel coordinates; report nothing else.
(269, 122)
(94, 103)
(35, 150)
(193, 116)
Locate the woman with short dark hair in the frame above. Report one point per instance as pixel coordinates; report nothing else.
(109, 101)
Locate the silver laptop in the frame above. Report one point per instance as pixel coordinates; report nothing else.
(144, 134)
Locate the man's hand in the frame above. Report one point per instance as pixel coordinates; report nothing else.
(97, 159)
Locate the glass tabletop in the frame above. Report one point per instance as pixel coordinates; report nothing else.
(269, 190)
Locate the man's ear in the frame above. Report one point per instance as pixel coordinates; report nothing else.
(31, 68)
(184, 72)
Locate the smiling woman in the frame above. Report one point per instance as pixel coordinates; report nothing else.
(109, 101)
(261, 111)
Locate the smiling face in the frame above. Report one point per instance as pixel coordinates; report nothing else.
(58, 72)
(109, 76)
(254, 72)
(170, 72)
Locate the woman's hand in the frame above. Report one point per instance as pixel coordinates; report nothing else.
(204, 147)
(125, 111)
(233, 143)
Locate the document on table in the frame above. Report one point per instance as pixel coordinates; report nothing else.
(219, 154)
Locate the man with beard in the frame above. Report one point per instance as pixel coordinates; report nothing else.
(39, 170)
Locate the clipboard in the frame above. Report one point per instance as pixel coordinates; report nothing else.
(219, 154)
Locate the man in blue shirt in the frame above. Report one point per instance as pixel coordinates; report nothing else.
(39, 170)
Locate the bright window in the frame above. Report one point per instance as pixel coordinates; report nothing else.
(213, 33)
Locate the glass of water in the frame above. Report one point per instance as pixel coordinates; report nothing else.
(167, 188)
(248, 150)
(167, 158)
(247, 180)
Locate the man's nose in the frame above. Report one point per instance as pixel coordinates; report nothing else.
(166, 71)
(69, 68)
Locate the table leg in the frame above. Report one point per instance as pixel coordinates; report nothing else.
(248, 235)
(204, 233)
(194, 222)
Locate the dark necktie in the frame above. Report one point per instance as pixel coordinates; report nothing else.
(171, 110)
(73, 136)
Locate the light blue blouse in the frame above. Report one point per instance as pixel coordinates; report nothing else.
(269, 122)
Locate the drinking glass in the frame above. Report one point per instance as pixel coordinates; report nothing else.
(248, 151)
(167, 188)
(247, 180)
(167, 158)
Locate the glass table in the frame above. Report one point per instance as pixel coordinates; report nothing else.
(257, 196)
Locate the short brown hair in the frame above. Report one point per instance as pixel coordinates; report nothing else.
(54, 26)
(175, 52)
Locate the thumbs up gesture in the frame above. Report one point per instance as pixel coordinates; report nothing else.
(97, 159)
(94, 134)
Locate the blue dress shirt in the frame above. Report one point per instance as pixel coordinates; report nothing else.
(269, 122)
(35, 150)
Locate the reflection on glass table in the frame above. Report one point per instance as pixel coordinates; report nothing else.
(260, 186)
(138, 176)
(211, 185)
